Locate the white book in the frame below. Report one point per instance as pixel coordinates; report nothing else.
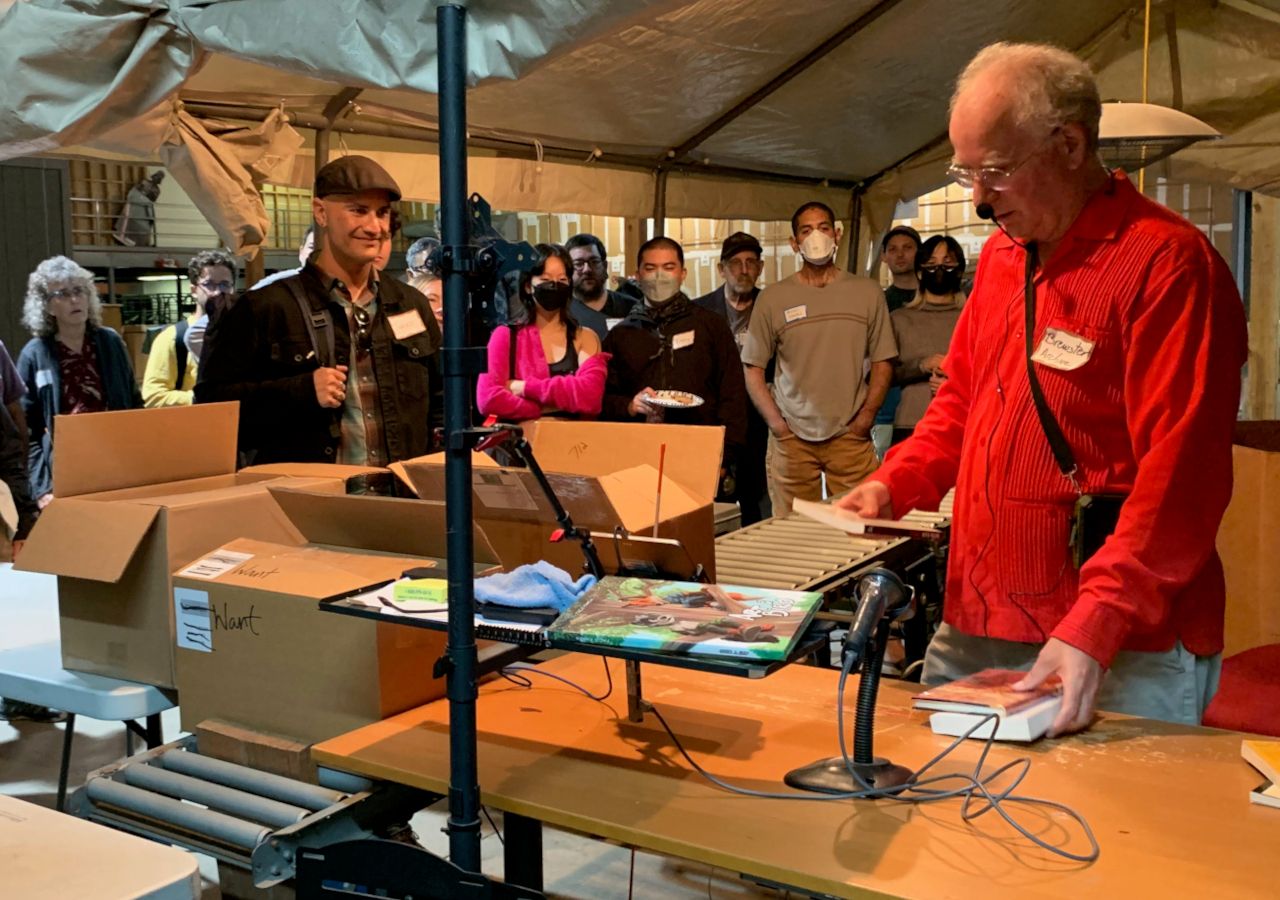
(1025, 725)
(1265, 794)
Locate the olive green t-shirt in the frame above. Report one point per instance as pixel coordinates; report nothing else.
(823, 338)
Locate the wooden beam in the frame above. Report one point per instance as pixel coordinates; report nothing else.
(1264, 311)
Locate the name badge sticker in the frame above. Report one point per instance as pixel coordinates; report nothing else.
(406, 324)
(682, 340)
(795, 313)
(1060, 349)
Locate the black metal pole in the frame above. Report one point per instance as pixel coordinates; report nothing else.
(464, 782)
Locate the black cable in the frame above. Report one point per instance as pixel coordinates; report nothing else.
(493, 825)
(925, 788)
(521, 670)
(919, 790)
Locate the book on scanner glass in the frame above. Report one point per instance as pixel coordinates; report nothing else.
(1023, 715)
(689, 618)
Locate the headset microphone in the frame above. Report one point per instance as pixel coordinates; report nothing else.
(985, 211)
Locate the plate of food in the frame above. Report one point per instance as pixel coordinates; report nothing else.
(674, 399)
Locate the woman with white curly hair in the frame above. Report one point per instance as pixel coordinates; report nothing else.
(71, 365)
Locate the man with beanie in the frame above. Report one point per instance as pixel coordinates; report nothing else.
(332, 364)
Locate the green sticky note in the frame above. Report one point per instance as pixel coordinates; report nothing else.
(427, 592)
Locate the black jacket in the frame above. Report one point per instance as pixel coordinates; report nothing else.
(13, 471)
(644, 356)
(40, 371)
(259, 351)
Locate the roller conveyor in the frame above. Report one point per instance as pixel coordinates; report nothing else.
(241, 816)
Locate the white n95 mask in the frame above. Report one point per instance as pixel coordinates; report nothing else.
(818, 247)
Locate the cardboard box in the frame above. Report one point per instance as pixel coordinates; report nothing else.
(605, 474)
(1246, 539)
(254, 647)
(139, 493)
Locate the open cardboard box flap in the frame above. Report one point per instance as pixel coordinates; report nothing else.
(128, 448)
(602, 448)
(105, 537)
(307, 571)
(312, 470)
(387, 524)
(633, 493)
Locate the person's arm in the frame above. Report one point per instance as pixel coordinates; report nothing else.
(762, 398)
(13, 471)
(881, 378)
(493, 396)
(161, 374)
(19, 417)
(1185, 346)
(39, 466)
(917, 473)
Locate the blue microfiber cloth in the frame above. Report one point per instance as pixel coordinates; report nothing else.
(538, 584)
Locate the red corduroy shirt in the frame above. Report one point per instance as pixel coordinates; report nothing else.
(1150, 414)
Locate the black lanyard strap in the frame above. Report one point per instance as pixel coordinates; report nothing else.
(1062, 454)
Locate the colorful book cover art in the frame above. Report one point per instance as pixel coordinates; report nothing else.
(991, 689)
(687, 617)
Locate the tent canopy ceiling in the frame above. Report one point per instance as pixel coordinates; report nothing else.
(800, 90)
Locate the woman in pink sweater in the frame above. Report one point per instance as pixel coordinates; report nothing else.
(555, 367)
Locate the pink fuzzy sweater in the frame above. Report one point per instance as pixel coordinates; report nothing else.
(579, 393)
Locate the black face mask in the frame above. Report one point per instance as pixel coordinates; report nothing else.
(940, 283)
(552, 295)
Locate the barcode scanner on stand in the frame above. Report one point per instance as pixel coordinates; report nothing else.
(883, 600)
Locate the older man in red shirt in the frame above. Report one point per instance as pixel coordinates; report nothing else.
(1138, 342)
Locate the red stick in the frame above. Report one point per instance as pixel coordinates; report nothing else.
(657, 503)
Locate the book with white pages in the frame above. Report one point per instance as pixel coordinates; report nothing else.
(848, 522)
(1026, 725)
(1018, 715)
(1266, 794)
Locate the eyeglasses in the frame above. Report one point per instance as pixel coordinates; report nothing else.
(935, 269)
(64, 293)
(589, 263)
(216, 287)
(993, 178)
(364, 335)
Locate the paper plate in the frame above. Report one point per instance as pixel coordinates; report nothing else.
(675, 399)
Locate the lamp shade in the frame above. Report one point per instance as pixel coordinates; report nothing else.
(1134, 135)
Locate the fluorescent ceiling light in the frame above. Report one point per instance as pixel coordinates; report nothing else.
(161, 277)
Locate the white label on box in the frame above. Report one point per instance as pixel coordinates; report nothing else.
(220, 562)
(193, 620)
(501, 490)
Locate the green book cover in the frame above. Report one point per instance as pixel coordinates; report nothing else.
(687, 617)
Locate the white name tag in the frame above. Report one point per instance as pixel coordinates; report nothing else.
(1063, 350)
(609, 323)
(44, 378)
(796, 313)
(682, 340)
(406, 324)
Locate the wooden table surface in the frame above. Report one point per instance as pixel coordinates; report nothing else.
(1168, 803)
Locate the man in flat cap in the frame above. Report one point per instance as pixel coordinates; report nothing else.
(331, 364)
(741, 262)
